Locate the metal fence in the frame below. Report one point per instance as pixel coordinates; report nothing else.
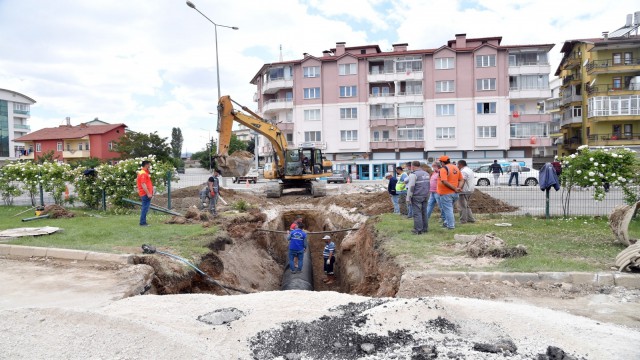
(529, 200)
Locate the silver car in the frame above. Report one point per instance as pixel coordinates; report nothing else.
(484, 177)
(339, 176)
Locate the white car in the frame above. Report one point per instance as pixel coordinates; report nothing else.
(527, 177)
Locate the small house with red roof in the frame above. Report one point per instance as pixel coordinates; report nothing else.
(70, 143)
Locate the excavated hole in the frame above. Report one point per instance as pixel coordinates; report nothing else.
(314, 221)
(246, 258)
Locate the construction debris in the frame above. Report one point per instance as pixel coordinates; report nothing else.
(57, 211)
(629, 258)
(619, 220)
(28, 231)
(235, 165)
(489, 245)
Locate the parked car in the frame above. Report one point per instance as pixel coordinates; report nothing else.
(339, 176)
(180, 170)
(527, 177)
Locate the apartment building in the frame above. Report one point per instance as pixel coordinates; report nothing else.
(600, 91)
(14, 122)
(370, 110)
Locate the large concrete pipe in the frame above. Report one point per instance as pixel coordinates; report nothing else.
(299, 281)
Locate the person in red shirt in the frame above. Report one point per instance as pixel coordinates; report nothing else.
(450, 182)
(145, 190)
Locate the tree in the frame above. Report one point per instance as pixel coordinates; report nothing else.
(139, 145)
(47, 157)
(251, 145)
(176, 142)
(236, 144)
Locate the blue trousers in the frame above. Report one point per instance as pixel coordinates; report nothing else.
(146, 203)
(434, 199)
(514, 175)
(446, 204)
(396, 205)
(295, 254)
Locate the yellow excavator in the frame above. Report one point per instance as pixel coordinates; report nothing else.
(299, 168)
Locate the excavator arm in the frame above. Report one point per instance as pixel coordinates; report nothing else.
(254, 122)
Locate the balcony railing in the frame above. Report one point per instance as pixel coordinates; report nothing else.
(613, 139)
(20, 126)
(604, 65)
(70, 154)
(409, 93)
(601, 89)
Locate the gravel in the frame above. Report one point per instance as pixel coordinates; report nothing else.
(309, 325)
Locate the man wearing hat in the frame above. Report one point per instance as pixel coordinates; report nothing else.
(448, 189)
(328, 255)
(391, 189)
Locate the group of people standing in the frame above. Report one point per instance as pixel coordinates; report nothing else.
(420, 187)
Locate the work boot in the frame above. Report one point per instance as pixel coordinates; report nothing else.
(326, 279)
(331, 280)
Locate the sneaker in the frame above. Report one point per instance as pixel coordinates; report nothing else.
(145, 225)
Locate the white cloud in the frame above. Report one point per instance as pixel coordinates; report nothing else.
(151, 64)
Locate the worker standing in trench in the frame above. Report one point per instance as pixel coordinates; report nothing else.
(297, 247)
(329, 260)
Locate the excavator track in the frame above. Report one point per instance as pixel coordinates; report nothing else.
(273, 189)
(318, 189)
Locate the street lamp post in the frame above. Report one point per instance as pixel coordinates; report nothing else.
(215, 28)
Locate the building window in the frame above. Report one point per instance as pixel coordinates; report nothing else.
(385, 135)
(485, 84)
(312, 93)
(38, 147)
(410, 134)
(310, 136)
(348, 113)
(628, 58)
(289, 137)
(410, 87)
(445, 63)
(110, 145)
(410, 110)
(485, 60)
(86, 146)
(379, 91)
(19, 108)
(311, 71)
(617, 83)
(348, 135)
(577, 111)
(59, 146)
(445, 133)
(79, 146)
(527, 130)
(376, 136)
(382, 111)
(68, 147)
(408, 64)
(617, 58)
(445, 86)
(347, 69)
(487, 132)
(445, 109)
(348, 91)
(486, 108)
(312, 115)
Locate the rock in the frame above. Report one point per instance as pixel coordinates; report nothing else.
(368, 348)
(500, 345)
(424, 352)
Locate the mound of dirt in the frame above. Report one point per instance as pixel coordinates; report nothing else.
(57, 211)
(482, 203)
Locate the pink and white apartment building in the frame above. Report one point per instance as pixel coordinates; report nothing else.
(370, 110)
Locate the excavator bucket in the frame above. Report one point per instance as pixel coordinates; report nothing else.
(234, 166)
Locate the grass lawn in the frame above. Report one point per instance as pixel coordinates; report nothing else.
(575, 244)
(110, 233)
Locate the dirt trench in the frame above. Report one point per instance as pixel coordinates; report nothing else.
(245, 256)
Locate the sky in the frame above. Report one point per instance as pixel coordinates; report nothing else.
(151, 64)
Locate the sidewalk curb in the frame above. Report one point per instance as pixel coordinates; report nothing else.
(70, 254)
(612, 278)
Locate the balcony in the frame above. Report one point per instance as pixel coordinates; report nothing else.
(383, 98)
(570, 120)
(393, 144)
(316, 144)
(572, 143)
(518, 117)
(76, 154)
(571, 98)
(277, 104)
(519, 93)
(614, 139)
(382, 76)
(25, 113)
(393, 121)
(286, 126)
(603, 90)
(608, 66)
(18, 127)
(411, 96)
(532, 141)
(529, 68)
(276, 84)
(27, 157)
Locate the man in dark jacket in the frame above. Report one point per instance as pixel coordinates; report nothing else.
(392, 192)
(496, 170)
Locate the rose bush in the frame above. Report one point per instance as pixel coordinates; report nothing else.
(599, 168)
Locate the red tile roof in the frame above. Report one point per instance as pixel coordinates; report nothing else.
(68, 132)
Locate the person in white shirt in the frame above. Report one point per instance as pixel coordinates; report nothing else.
(514, 169)
(465, 195)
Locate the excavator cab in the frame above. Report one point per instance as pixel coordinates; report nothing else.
(304, 161)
